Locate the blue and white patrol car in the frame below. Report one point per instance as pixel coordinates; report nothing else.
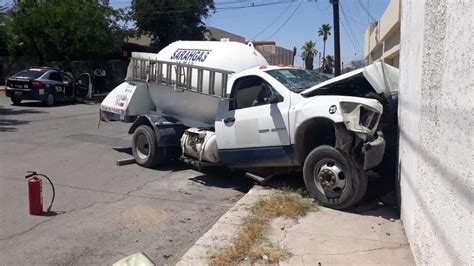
(48, 85)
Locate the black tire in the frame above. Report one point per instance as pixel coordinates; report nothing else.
(50, 100)
(80, 99)
(16, 100)
(144, 148)
(344, 184)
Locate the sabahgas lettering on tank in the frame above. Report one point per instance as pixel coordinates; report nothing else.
(190, 55)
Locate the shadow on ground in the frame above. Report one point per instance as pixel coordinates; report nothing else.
(224, 178)
(11, 111)
(9, 125)
(215, 176)
(379, 199)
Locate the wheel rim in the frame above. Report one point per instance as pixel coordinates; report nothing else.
(143, 146)
(50, 99)
(329, 178)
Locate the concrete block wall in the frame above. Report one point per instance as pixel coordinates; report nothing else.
(436, 118)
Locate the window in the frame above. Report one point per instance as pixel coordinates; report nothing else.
(252, 91)
(297, 80)
(55, 76)
(66, 77)
(34, 74)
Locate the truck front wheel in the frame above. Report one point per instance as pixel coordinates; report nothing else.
(145, 151)
(332, 178)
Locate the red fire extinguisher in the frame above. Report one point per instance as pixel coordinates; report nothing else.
(35, 192)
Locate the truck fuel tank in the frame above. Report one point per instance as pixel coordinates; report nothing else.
(200, 144)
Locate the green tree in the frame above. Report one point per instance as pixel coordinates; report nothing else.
(324, 31)
(169, 20)
(65, 29)
(329, 59)
(4, 15)
(308, 54)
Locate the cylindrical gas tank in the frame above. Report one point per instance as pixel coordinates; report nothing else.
(195, 106)
(200, 144)
(224, 55)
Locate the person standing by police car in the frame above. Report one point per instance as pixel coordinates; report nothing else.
(99, 74)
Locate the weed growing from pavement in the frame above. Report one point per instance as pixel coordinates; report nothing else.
(247, 244)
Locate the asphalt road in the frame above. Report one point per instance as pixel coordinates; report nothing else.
(102, 212)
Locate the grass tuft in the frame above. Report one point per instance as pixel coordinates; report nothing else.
(246, 245)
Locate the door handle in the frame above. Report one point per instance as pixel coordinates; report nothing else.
(229, 120)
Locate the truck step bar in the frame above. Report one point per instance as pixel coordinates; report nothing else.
(161, 72)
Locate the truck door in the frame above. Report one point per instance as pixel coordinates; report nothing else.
(252, 126)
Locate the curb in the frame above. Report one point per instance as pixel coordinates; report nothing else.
(223, 231)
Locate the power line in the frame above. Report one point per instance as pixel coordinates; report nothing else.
(180, 9)
(286, 21)
(275, 20)
(348, 14)
(349, 31)
(354, 44)
(366, 10)
(250, 6)
(322, 9)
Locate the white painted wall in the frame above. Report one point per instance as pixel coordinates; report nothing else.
(436, 116)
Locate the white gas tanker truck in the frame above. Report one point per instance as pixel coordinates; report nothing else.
(220, 103)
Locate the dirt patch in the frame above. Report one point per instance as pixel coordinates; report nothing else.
(138, 216)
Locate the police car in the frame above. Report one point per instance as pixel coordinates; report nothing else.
(48, 85)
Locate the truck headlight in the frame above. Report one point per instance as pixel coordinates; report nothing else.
(368, 118)
(360, 118)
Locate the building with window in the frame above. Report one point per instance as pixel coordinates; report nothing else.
(382, 38)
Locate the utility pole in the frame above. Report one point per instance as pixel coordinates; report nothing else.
(337, 46)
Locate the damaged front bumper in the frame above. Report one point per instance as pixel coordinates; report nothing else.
(373, 151)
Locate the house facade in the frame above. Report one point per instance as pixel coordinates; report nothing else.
(382, 38)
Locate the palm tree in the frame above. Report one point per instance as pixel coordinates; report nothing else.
(325, 31)
(329, 64)
(308, 54)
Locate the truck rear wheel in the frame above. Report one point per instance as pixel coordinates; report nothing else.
(332, 178)
(144, 148)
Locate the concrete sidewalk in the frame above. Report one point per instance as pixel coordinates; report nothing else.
(323, 237)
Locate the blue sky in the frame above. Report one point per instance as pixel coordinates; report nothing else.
(302, 18)
(303, 25)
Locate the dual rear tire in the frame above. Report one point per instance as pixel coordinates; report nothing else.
(145, 150)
